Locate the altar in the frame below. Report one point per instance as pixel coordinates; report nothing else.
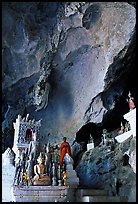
(41, 178)
(39, 193)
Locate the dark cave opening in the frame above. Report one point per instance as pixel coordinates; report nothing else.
(117, 93)
(113, 118)
(83, 135)
(111, 121)
(125, 160)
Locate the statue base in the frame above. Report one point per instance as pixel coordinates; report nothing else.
(44, 181)
(39, 193)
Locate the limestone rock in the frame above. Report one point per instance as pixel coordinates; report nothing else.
(110, 170)
(74, 44)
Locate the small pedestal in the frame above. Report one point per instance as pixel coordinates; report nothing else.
(72, 179)
(90, 146)
(131, 117)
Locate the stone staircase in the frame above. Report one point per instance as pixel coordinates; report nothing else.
(97, 195)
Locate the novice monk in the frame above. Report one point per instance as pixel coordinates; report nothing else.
(64, 148)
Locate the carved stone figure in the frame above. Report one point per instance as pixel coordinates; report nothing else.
(17, 171)
(34, 148)
(59, 175)
(59, 172)
(48, 158)
(104, 139)
(30, 169)
(121, 131)
(127, 127)
(91, 139)
(20, 169)
(54, 179)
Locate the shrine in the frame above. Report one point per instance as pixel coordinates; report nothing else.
(21, 128)
(131, 118)
(38, 175)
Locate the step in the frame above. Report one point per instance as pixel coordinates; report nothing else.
(104, 199)
(89, 192)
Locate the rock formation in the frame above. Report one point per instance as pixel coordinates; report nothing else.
(83, 51)
(110, 170)
(71, 65)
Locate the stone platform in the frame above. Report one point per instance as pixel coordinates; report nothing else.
(97, 195)
(39, 193)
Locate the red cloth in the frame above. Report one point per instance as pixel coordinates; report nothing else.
(64, 148)
(131, 104)
(29, 134)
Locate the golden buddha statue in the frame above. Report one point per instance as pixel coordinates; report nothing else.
(41, 177)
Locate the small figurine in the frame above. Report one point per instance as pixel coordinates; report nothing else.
(121, 131)
(64, 178)
(59, 175)
(21, 169)
(104, 134)
(25, 178)
(127, 126)
(54, 173)
(17, 171)
(91, 139)
(30, 169)
(48, 158)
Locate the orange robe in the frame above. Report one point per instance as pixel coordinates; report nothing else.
(64, 148)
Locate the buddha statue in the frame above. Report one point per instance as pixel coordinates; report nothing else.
(34, 147)
(41, 178)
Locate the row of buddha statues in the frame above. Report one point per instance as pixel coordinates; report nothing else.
(40, 168)
(124, 128)
(108, 140)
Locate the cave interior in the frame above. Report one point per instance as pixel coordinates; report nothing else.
(112, 120)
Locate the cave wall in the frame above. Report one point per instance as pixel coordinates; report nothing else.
(78, 48)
